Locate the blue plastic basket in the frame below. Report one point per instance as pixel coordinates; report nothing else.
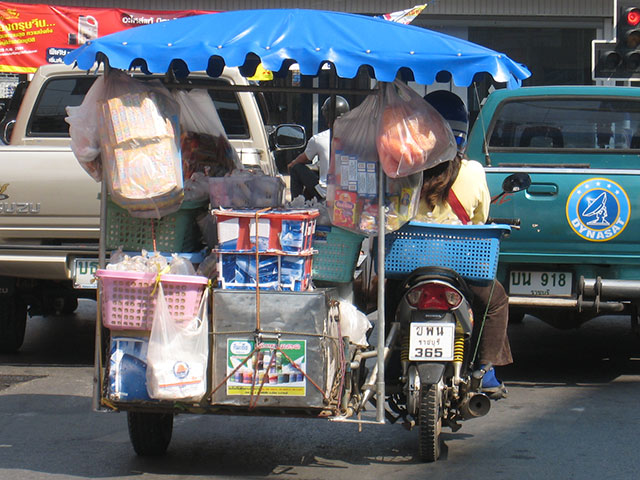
(338, 252)
(470, 250)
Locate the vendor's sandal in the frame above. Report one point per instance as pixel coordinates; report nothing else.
(496, 393)
(492, 387)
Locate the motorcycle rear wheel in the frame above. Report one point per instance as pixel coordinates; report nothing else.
(430, 418)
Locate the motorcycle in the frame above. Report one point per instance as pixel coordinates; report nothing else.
(432, 379)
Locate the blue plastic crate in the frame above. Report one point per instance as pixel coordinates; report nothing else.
(470, 250)
(338, 252)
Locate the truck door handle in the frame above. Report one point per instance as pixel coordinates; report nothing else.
(543, 189)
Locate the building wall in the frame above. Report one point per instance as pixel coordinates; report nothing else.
(485, 8)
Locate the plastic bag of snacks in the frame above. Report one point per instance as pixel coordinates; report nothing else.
(412, 135)
(204, 143)
(140, 134)
(352, 191)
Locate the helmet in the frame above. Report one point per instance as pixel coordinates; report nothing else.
(342, 107)
(454, 111)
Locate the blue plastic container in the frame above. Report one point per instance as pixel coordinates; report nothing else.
(471, 250)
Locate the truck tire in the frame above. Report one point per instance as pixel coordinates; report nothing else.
(13, 323)
(150, 432)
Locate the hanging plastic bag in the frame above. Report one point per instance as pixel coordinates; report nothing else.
(139, 134)
(178, 353)
(412, 135)
(84, 130)
(204, 142)
(354, 324)
(352, 182)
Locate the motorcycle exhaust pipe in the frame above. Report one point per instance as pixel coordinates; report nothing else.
(476, 405)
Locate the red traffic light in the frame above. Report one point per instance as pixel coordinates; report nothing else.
(633, 16)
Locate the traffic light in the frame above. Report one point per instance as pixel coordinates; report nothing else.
(620, 59)
(628, 34)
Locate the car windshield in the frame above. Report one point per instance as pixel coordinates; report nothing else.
(567, 123)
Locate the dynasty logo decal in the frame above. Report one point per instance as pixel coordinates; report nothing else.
(598, 209)
(3, 188)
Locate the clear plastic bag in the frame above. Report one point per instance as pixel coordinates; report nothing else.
(84, 130)
(354, 324)
(139, 135)
(412, 135)
(352, 190)
(178, 353)
(204, 143)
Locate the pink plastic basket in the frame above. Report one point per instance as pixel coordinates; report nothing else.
(128, 302)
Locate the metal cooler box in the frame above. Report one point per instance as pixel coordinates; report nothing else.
(300, 372)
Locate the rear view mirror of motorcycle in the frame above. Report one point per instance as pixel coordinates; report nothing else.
(516, 182)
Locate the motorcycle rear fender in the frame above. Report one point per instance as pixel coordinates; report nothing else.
(430, 372)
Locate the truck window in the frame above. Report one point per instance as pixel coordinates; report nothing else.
(567, 123)
(230, 113)
(47, 118)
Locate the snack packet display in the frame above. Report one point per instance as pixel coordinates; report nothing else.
(139, 136)
(412, 135)
(352, 191)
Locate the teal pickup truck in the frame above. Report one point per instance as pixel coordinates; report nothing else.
(577, 253)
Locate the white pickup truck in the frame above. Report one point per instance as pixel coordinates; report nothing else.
(49, 206)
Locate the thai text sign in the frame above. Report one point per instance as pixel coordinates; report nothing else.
(36, 34)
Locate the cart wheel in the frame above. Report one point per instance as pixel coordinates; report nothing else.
(150, 433)
(13, 323)
(430, 421)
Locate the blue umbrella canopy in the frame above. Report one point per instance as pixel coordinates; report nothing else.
(310, 38)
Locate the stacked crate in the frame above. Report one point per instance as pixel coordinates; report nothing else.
(270, 249)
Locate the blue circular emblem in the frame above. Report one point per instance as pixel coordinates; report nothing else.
(598, 209)
(181, 369)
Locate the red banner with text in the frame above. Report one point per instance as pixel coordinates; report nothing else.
(36, 34)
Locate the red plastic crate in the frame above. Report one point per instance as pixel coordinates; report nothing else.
(284, 231)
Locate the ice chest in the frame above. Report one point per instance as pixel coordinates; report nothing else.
(289, 231)
(301, 320)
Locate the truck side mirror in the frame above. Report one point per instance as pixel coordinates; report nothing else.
(289, 136)
(516, 182)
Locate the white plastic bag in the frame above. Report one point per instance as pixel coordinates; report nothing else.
(178, 353)
(354, 324)
(83, 130)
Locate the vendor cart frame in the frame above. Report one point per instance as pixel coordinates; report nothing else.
(277, 39)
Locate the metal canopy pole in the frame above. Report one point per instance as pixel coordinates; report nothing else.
(97, 355)
(381, 320)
